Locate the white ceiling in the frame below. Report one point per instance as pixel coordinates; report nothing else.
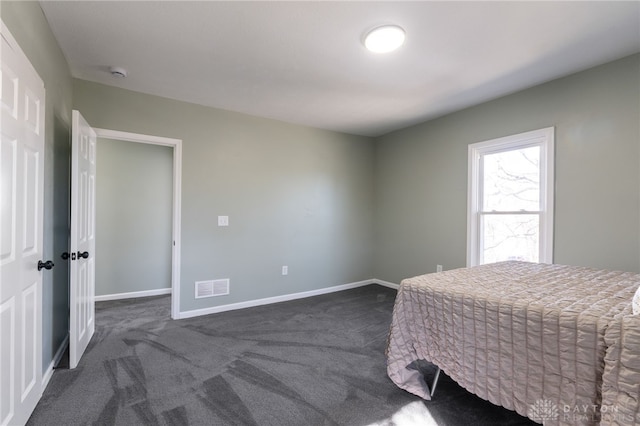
(303, 62)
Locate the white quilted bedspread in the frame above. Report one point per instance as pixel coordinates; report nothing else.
(555, 343)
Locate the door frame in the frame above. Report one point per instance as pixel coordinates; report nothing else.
(176, 144)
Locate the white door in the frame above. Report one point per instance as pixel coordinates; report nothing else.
(21, 221)
(83, 238)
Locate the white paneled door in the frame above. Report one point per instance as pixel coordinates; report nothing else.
(21, 220)
(83, 238)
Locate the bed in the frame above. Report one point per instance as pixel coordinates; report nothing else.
(558, 344)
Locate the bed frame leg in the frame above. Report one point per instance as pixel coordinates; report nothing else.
(435, 382)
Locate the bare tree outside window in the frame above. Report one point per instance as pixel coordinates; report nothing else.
(511, 205)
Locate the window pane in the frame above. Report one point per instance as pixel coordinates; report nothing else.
(509, 237)
(512, 180)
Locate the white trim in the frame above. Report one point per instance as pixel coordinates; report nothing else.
(270, 300)
(133, 294)
(176, 144)
(136, 137)
(46, 377)
(386, 283)
(544, 138)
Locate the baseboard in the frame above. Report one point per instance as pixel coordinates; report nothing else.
(386, 283)
(133, 294)
(269, 300)
(46, 377)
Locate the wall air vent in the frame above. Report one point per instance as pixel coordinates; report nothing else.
(212, 288)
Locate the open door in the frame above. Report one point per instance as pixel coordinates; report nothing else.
(22, 105)
(83, 238)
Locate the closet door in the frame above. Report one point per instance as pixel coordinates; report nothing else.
(21, 222)
(83, 238)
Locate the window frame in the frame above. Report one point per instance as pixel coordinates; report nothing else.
(544, 138)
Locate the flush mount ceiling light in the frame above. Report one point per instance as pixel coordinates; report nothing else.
(384, 39)
(118, 72)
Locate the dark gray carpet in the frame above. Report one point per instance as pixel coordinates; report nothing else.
(314, 361)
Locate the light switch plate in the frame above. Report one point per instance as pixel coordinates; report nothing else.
(223, 220)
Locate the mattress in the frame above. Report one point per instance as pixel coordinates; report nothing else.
(555, 343)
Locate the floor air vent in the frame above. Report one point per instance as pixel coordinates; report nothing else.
(212, 288)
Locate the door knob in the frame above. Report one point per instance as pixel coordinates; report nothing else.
(84, 255)
(45, 265)
(65, 256)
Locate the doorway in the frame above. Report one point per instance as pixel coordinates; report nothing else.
(158, 271)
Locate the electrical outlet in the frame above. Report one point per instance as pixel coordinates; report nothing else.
(438, 268)
(223, 220)
(285, 270)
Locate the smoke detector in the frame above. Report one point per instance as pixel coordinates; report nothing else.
(118, 72)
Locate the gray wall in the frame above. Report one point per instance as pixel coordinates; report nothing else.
(421, 174)
(28, 25)
(295, 196)
(134, 217)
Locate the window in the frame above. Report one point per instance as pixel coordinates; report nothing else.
(510, 204)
